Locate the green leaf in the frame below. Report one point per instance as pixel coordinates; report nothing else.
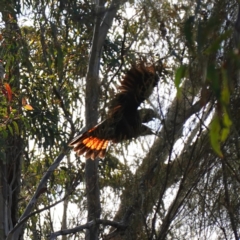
(10, 129)
(180, 73)
(215, 129)
(16, 127)
(4, 132)
(227, 123)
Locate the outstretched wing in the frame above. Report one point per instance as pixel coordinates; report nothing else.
(136, 86)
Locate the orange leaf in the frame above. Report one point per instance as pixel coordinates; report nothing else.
(9, 91)
(10, 16)
(24, 101)
(28, 107)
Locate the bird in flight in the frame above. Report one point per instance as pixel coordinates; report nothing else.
(124, 120)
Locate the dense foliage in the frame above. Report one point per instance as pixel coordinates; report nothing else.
(63, 61)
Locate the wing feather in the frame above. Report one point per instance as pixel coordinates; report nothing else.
(92, 143)
(136, 86)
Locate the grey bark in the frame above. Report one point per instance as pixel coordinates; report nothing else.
(103, 22)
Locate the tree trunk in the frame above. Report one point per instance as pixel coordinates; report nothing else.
(103, 21)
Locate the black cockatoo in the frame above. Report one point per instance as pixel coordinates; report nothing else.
(124, 121)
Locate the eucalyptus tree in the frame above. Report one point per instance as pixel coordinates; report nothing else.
(63, 60)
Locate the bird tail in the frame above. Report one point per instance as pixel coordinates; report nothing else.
(89, 144)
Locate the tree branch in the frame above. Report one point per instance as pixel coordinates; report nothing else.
(42, 185)
(88, 225)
